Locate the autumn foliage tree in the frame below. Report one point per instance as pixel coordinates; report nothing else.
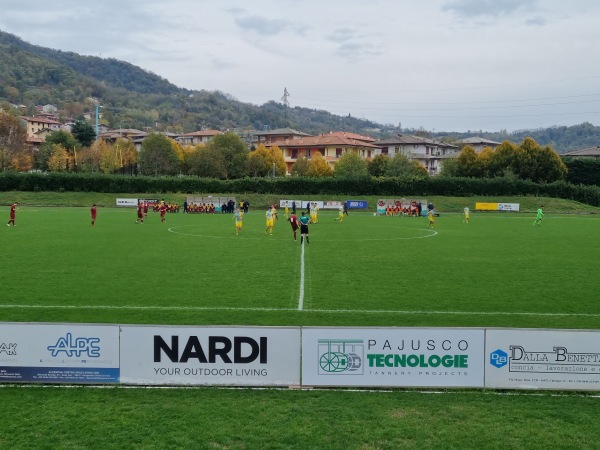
(13, 137)
(318, 166)
(351, 165)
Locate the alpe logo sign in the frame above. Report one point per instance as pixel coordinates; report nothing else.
(75, 347)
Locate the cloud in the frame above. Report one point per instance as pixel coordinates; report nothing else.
(479, 8)
(353, 45)
(261, 25)
(536, 21)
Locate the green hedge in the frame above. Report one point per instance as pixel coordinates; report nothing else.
(385, 187)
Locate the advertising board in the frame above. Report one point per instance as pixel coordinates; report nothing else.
(127, 202)
(356, 204)
(482, 206)
(247, 356)
(332, 204)
(289, 203)
(393, 357)
(508, 207)
(542, 359)
(59, 353)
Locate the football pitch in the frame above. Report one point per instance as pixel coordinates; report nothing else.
(497, 270)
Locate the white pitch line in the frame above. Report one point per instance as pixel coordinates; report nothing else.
(301, 294)
(324, 311)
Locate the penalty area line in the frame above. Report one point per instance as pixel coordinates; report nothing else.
(318, 311)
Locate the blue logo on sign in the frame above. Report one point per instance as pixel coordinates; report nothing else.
(498, 358)
(75, 347)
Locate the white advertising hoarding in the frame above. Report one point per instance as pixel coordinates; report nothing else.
(289, 203)
(247, 356)
(127, 202)
(397, 357)
(508, 206)
(542, 359)
(59, 353)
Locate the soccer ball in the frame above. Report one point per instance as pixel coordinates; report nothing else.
(375, 214)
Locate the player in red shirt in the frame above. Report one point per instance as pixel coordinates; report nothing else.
(145, 210)
(140, 213)
(93, 214)
(13, 209)
(163, 210)
(294, 223)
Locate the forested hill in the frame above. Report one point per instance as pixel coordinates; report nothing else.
(561, 138)
(135, 98)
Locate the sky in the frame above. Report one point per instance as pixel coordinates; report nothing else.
(440, 65)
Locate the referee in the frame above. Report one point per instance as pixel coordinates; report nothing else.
(304, 221)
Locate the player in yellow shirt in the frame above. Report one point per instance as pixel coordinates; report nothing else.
(340, 215)
(314, 210)
(467, 215)
(431, 216)
(239, 217)
(269, 219)
(287, 212)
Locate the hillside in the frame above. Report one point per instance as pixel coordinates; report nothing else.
(135, 98)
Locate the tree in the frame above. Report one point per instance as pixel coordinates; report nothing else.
(468, 163)
(84, 133)
(484, 159)
(318, 166)
(300, 167)
(234, 153)
(128, 155)
(401, 166)
(449, 167)
(13, 138)
(276, 157)
(351, 165)
(378, 165)
(258, 162)
(157, 156)
(109, 159)
(503, 159)
(207, 162)
(58, 158)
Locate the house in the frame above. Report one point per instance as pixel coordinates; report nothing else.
(479, 143)
(590, 152)
(35, 124)
(429, 152)
(280, 134)
(113, 135)
(198, 137)
(331, 146)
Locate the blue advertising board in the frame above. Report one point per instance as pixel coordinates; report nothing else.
(356, 204)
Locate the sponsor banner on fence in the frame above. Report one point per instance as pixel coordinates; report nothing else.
(289, 203)
(396, 357)
(127, 202)
(356, 204)
(152, 202)
(542, 359)
(210, 355)
(332, 204)
(307, 203)
(479, 206)
(59, 353)
(508, 206)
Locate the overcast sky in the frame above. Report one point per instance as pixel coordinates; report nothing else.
(445, 65)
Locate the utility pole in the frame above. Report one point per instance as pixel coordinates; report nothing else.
(286, 94)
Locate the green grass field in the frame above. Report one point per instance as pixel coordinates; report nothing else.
(497, 271)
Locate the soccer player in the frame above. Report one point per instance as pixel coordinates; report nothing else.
(287, 212)
(294, 223)
(304, 221)
(467, 214)
(13, 212)
(313, 213)
(163, 210)
(341, 214)
(239, 217)
(539, 216)
(140, 213)
(145, 210)
(93, 214)
(269, 219)
(431, 216)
